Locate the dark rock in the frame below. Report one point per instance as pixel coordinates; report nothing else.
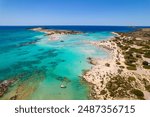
(14, 97)
(5, 85)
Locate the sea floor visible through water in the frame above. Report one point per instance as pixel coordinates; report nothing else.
(41, 66)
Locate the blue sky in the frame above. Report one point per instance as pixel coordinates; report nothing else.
(75, 12)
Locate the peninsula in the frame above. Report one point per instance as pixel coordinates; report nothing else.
(55, 34)
(126, 73)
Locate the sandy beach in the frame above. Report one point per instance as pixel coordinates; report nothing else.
(123, 75)
(118, 68)
(110, 77)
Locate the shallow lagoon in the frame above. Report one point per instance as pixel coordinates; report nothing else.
(40, 65)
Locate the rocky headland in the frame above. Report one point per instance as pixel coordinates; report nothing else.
(55, 34)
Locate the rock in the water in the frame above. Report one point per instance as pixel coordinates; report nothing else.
(4, 86)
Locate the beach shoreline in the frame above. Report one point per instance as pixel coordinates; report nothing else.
(114, 77)
(122, 75)
(106, 73)
(100, 67)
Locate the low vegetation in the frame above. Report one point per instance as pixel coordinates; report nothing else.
(147, 88)
(118, 87)
(131, 68)
(131, 79)
(138, 93)
(124, 87)
(122, 67)
(134, 48)
(146, 65)
(107, 64)
(147, 54)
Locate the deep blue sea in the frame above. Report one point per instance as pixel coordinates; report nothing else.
(42, 66)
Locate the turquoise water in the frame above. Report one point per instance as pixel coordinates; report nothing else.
(40, 65)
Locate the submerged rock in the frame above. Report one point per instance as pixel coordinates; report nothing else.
(63, 79)
(31, 82)
(28, 43)
(5, 85)
(62, 41)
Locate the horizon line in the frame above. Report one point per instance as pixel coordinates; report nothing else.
(81, 25)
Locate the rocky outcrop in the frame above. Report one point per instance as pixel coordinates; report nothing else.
(51, 32)
(5, 85)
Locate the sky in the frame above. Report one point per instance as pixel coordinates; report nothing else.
(75, 12)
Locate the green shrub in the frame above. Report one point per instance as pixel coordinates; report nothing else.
(118, 63)
(131, 68)
(129, 57)
(138, 93)
(129, 54)
(146, 66)
(147, 54)
(119, 44)
(131, 79)
(147, 88)
(122, 67)
(107, 64)
(103, 92)
(118, 86)
(146, 46)
(124, 47)
(128, 41)
(141, 43)
(138, 56)
(145, 63)
(146, 35)
(136, 50)
(130, 62)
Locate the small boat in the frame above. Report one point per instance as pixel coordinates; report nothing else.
(62, 86)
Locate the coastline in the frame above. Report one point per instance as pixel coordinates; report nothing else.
(110, 77)
(124, 74)
(96, 76)
(54, 35)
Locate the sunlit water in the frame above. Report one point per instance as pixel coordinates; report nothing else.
(41, 65)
